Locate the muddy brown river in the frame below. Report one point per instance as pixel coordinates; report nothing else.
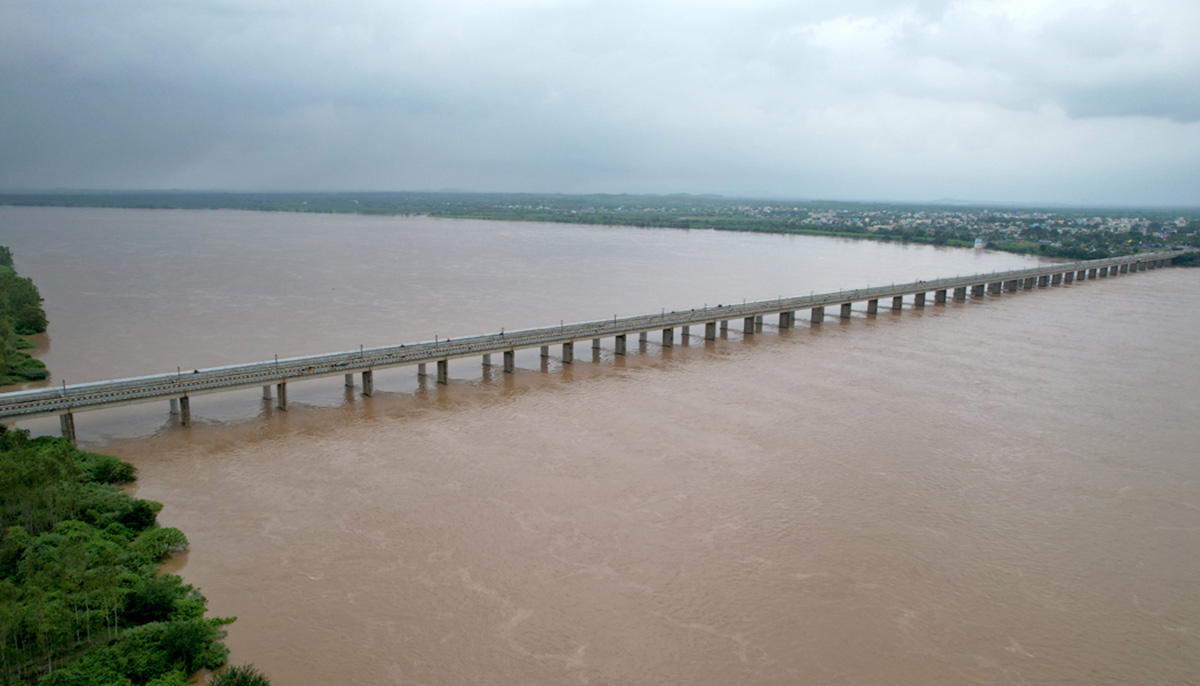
(1001, 491)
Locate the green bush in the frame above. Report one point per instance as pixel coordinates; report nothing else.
(240, 675)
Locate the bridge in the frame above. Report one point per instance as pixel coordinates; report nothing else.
(178, 388)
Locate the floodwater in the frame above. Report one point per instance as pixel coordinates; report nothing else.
(1001, 491)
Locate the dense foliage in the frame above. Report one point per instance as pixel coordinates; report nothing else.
(81, 603)
(1187, 259)
(21, 314)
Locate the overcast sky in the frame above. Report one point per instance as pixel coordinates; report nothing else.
(996, 100)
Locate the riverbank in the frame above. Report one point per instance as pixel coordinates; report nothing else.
(21, 315)
(1076, 233)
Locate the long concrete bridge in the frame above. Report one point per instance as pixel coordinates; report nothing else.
(178, 388)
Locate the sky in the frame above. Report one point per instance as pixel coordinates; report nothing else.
(1036, 101)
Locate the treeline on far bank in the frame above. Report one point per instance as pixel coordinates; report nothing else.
(81, 600)
(21, 314)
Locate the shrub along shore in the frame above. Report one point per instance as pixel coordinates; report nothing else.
(82, 601)
(21, 314)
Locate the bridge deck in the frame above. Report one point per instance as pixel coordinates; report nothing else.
(96, 395)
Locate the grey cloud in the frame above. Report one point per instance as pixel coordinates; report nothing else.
(857, 99)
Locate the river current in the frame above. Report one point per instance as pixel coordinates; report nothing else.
(1000, 491)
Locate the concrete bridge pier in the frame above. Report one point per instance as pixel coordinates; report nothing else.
(845, 313)
(266, 393)
(487, 359)
(960, 293)
(1056, 279)
(1081, 275)
(545, 351)
(185, 411)
(668, 338)
(818, 315)
(368, 382)
(995, 288)
(939, 296)
(919, 300)
(710, 331)
(1091, 273)
(568, 354)
(280, 398)
(1125, 269)
(643, 336)
(685, 332)
(420, 369)
(898, 303)
(174, 404)
(977, 290)
(619, 344)
(1069, 277)
(748, 325)
(510, 361)
(1030, 283)
(1011, 286)
(724, 324)
(66, 422)
(873, 306)
(595, 344)
(1104, 272)
(1043, 281)
(443, 372)
(1152, 264)
(785, 319)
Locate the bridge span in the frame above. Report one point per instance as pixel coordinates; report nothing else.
(178, 388)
